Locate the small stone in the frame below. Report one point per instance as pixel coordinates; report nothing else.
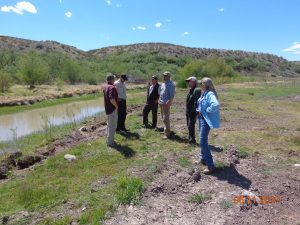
(297, 165)
(70, 158)
(254, 198)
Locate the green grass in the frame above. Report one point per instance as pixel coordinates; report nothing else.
(199, 198)
(129, 190)
(184, 162)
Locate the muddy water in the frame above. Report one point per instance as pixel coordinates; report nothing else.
(24, 123)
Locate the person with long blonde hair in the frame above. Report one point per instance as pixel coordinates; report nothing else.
(209, 118)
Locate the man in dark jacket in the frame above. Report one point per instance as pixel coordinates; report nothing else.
(191, 104)
(152, 103)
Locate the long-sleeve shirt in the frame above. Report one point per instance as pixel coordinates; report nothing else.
(167, 92)
(121, 88)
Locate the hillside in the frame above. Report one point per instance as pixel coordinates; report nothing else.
(25, 45)
(140, 60)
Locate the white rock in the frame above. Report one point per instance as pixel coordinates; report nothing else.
(70, 158)
(253, 197)
(297, 165)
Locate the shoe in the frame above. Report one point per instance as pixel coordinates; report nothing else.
(113, 145)
(165, 137)
(209, 171)
(203, 162)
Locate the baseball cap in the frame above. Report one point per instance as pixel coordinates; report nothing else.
(192, 79)
(154, 77)
(167, 73)
(110, 77)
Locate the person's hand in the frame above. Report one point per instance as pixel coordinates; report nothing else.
(199, 114)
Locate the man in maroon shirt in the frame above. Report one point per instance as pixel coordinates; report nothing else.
(111, 109)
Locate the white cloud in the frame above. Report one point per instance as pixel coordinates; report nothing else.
(108, 2)
(294, 48)
(139, 28)
(118, 5)
(60, 1)
(20, 8)
(186, 33)
(68, 14)
(221, 10)
(158, 25)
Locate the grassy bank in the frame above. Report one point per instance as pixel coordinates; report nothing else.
(255, 117)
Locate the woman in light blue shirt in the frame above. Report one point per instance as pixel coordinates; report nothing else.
(209, 118)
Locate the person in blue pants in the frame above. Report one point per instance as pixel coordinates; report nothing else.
(209, 118)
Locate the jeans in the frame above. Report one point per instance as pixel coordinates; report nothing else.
(122, 112)
(112, 120)
(150, 107)
(205, 150)
(191, 122)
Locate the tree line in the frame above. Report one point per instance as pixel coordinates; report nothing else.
(33, 68)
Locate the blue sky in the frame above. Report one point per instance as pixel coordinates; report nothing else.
(254, 25)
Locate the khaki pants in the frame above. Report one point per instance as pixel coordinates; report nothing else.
(165, 114)
(112, 122)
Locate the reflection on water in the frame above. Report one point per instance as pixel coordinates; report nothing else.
(27, 122)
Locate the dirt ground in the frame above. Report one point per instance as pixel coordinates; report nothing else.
(166, 199)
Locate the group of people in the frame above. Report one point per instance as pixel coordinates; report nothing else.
(200, 103)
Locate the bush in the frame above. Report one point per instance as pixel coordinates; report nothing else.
(213, 68)
(5, 81)
(297, 68)
(59, 83)
(33, 69)
(129, 190)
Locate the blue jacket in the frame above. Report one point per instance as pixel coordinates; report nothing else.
(208, 105)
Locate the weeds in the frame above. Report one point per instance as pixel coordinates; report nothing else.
(226, 204)
(184, 162)
(199, 198)
(129, 190)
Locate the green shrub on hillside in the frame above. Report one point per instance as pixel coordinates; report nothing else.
(33, 69)
(213, 68)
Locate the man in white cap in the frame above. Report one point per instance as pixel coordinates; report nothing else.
(191, 105)
(167, 94)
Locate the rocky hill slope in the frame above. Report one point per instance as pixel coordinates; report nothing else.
(275, 64)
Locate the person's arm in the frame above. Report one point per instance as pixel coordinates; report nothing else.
(114, 103)
(113, 96)
(213, 104)
(198, 108)
(172, 95)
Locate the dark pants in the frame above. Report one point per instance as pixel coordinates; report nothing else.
(147, 108)
(122, 112)
(191, 122)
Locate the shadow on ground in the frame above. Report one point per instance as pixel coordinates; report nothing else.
(216, 148)
(232, 176)
(125, 150)
(130, 135)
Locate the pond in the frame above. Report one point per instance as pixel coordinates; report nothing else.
(17, 125)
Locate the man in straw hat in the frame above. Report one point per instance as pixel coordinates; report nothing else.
(167, 95)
